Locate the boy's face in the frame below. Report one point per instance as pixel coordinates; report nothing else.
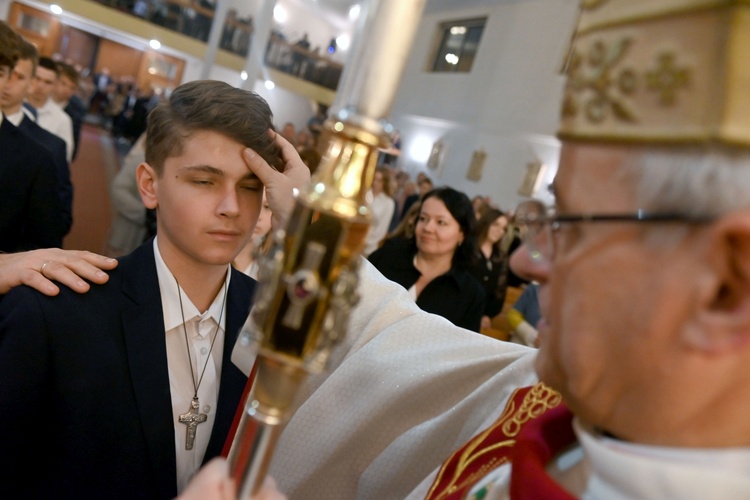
(4, 73)
(41, 86)
(207, 201)
(11, 98)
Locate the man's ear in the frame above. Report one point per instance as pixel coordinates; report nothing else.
(147, 185)
(723, 323)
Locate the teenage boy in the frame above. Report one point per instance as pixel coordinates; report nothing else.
(125, 391)
(29, 204)
(11, 103)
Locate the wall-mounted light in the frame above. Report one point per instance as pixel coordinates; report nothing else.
(155, 44)
(243, 75)
(420, 149)
(279, 14)
(270, 85)
(354, 11)
(451, 58)
(343, 42)
(56, 9)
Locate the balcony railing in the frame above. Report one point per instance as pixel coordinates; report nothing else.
(302, 63)
(192, 18)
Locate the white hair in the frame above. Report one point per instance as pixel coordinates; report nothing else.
(695, 181)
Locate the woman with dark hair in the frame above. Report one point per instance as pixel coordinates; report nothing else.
(433, 264)
(491, 268)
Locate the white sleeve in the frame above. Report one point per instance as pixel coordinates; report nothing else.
(408, 389)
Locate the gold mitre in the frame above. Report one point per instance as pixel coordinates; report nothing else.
(661, 71)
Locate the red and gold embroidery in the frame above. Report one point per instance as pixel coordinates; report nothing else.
(491, 448)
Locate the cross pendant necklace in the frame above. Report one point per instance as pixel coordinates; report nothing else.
(194, 417)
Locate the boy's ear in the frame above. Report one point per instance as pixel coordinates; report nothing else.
(147, 185)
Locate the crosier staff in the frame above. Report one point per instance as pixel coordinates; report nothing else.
(308, 281)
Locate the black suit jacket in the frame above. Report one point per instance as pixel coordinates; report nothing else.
(84, 388)
(29, 202)
(57, 148)
(76, 110)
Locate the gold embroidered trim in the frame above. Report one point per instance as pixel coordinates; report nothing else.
(535, 402)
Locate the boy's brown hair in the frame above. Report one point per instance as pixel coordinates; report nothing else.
(68, 71)
(9, 41)
(27, 52)
(210, 105)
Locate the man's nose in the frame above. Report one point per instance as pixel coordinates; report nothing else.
(527, 267)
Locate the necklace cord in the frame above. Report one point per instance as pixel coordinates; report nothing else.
(187, 344)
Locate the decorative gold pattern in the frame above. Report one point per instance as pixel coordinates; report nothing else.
(667, 78)
(666, 72)
(535, 402)
(600, 75)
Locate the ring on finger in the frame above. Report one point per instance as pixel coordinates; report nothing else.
(41, 270)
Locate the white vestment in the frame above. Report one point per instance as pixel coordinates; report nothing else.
(408, 389)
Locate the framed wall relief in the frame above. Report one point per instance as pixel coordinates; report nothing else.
(476, 167)
(532, 176)
(435, 161)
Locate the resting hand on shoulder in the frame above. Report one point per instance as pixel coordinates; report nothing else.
(37, 269)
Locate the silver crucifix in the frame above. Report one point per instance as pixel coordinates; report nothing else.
(192, 418)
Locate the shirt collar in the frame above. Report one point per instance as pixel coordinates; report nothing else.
(16, 118)
(170, 298)
(662, 472)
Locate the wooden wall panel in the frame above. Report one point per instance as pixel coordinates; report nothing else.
(122, 61)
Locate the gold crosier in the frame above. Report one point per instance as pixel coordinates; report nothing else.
(308, 280)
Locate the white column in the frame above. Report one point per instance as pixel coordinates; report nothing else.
(262, 23)
(214, 37)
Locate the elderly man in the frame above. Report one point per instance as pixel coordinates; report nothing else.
(644, 272)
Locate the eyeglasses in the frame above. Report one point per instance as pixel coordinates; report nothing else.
(537, 223)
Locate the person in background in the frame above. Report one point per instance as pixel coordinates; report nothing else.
(128, 229)
(311, 158)
(30, 205)
(524, 315)
(289, 133)
(383, 207)
(50, 116)
(491, 266)
(424, 185)
(246, 260)
(315, 123)
(304, 140)
(11, 103)
(481, 205)
(433, 265)
(405, 228)
(65, 95)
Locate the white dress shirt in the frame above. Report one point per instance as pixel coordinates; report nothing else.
(52, 118)
(382, 207)
(201, 328)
